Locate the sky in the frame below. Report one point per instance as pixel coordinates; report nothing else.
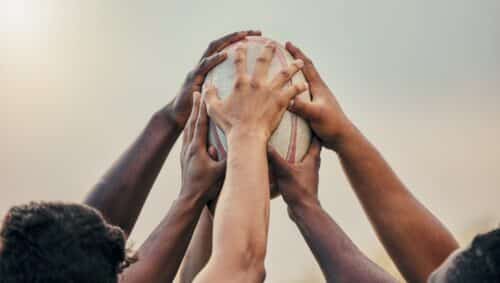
(421, 79)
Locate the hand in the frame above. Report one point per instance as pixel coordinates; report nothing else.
(181, 106)
(256, 105)
(201, 174)
(323, 113)
(297, 182)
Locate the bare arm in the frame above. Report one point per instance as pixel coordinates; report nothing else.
(339, 259)
(199, 249)
(247, 117)
(122, 191)
(415, 239)
(162, 253)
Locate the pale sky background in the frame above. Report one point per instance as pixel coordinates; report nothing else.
(80, 79)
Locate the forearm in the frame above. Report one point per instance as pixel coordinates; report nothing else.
(242, 216)
(161, 254)
(199, 249)
(122, 191)
(339, 259)
(413, 236)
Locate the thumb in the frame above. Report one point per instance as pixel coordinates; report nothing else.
(279, 164)
(304, 109)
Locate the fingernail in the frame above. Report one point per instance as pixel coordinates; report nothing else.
(300, 63)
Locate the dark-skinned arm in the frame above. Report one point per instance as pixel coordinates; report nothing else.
(339, 259)
(161, 254)
(122, 191)
(414, 238)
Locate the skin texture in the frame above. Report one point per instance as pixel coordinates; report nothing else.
(161, 254)
(339, 259)
(248, 117)
(121, 193)
(199, 249)
(415, 239)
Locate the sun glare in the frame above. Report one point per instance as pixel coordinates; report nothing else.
(23, 16)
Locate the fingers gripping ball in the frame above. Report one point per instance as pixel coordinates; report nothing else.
(292, 137)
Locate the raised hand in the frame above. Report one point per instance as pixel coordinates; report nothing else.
(212, 56)
(297, 182)
(256, 105)
(323, 112)
(201, 173)
(397, 216)
(248, 117)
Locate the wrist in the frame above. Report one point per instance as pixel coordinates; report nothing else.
(346, 133)
(170, 117)
(299, 209)
(247, 135)
(193, 196)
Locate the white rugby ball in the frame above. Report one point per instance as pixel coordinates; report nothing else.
(292, 137)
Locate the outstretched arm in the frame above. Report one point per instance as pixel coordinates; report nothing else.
(122, 191)
(199, 249)
(415, 239)
(339, 259)
(247, 117)
(162, 253)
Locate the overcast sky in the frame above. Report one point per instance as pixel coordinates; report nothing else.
(80, 79)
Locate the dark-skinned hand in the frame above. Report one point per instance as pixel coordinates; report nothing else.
(181, 105)
(202, 174)
(297, 182)
(323, 112)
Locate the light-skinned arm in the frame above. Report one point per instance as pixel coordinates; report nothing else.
(122, 191)
(248, 117)
(414, 238)
(161, 254)
(339, 259)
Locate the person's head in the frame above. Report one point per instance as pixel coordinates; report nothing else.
(480, 262)
(57, 242)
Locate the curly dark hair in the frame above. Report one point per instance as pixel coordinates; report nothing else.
(480, 262)
(55, 242)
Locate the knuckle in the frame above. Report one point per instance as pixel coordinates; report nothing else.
(307, 61)
(285, 74)
(241, 48)
(255, 83)
(203, 63)
(262, 59)
(238, 60)
(212, 44)
(241, 81)
(270, 46)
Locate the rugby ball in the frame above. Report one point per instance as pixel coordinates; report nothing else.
(292, 137)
